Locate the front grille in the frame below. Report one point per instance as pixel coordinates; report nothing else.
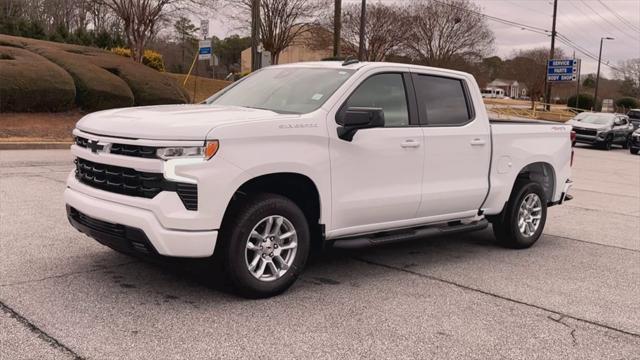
(148, 152)
(582, 131)
(133, 150)
(131, 182)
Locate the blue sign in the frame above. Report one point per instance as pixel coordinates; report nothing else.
(204, 50)
(562, 70)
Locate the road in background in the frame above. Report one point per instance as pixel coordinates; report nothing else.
(573, 295)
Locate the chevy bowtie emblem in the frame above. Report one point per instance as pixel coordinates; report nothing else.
(94, 146)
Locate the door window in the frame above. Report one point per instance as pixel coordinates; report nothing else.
(385, 91)
(442, 101)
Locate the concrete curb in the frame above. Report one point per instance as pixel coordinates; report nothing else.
(35, 145)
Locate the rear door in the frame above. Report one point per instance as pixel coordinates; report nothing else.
(457, 146)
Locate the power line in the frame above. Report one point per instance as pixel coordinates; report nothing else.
(562, 38)
(607, 21)
(565, 40)
(631, 25)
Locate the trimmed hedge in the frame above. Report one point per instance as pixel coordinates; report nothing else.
(31, 83)
(102, 79)
(585, 102)
(97, 88)
(627, 103)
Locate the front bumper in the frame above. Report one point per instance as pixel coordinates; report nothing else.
(588, 139)
(140, 226)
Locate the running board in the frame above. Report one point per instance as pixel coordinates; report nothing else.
(389, 237)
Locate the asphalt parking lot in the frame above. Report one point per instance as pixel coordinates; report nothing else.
(574, 295)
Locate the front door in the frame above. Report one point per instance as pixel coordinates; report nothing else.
(376, 178)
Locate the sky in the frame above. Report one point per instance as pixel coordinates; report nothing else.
(584, 22)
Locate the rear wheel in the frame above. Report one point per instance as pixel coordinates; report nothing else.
(522, 220)
(265, 245)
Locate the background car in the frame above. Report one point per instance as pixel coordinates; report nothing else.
(634, 117)
(602, 129)
(634, 142)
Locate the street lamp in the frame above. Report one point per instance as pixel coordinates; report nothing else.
(595, 97)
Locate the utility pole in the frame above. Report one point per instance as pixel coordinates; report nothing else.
(547, 96)
(595, 96)
(255, 34)
(363, 20)
(337, 27)
(579, 63)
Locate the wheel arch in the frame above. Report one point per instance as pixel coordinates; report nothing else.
(297, 187)
(542, 173)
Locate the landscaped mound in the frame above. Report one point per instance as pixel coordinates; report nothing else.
(29, 82)
(102, 80)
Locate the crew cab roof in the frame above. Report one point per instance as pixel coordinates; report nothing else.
(366, 64)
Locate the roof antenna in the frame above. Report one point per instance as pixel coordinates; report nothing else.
(350, 61)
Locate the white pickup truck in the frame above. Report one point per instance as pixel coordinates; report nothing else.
(299, 156)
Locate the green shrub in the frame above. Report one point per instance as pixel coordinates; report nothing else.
(30, 83)
(627, 103)
(585, 102)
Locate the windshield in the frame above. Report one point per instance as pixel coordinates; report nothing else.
(598, 119)
(286, 90)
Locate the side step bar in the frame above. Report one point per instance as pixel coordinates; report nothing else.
(389, 237)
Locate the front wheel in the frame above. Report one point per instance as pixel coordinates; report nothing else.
(627, 143)
(522, 220)
(265, 245)
(634, 151)
(607, 143)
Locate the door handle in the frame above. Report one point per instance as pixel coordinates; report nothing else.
(410, 143)
(478, 142)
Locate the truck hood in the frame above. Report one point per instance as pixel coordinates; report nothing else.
(583, 125)
(170, 122)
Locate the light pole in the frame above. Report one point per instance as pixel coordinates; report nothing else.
(595, 96)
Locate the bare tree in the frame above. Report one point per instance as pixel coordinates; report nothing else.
(530, 68)
(141, 18)
(629, 70)
(440, 30)
(281, 21)
(384, 32)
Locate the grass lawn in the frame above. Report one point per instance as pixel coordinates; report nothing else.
(204, 87)
(37, 127)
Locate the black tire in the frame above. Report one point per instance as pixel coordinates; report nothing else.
(505, 225)
(236, 231)
(633, 151)
(627, 142)
(607, 143)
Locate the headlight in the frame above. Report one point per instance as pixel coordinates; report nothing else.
(194, 152)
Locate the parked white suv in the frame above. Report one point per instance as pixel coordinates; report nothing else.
(301, 155)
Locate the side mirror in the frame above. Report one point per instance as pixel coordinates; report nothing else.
(355, 118)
